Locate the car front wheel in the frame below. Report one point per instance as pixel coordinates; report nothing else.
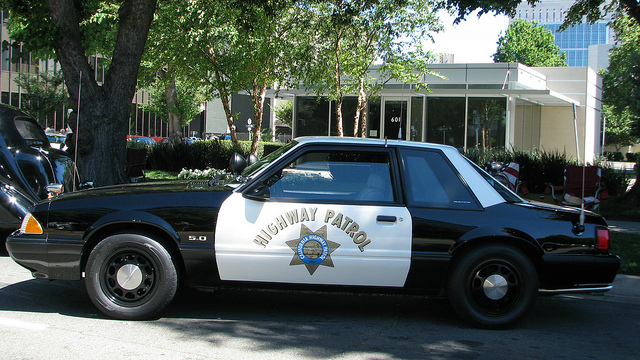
(131, 277)
(493, 286)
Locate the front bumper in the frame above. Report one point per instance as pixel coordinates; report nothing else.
(60, 262)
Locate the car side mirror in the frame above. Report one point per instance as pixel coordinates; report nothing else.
(259, 193)
(252, 159)
(54, 190)
(237, 164)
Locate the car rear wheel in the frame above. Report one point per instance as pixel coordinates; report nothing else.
(493, 286)
(131, 277)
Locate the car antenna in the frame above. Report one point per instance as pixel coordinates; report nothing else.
(75, 160)
(580, 227)
(385, 141)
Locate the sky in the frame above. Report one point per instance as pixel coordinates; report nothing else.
(473, 40)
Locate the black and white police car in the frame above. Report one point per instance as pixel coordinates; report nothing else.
(326, 214)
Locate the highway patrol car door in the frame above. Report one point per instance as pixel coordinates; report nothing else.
(326, 217)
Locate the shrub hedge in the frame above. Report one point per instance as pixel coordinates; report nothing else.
(203, 154)
(539, 168)
(536, 168)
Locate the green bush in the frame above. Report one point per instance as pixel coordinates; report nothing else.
(536, 168)
(539, 168)
(203, 154)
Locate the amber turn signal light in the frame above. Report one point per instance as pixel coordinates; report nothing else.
(30, 225)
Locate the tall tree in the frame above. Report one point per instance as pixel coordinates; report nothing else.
(529, 44)
(175, 100)
(45, 94)
(352, 36)
(229, 47)
(75, 30)
(621, 81)
(619, 126)
(621, 84)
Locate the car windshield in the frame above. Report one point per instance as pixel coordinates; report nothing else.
(31, 132)
(262, 163)
(507, 194)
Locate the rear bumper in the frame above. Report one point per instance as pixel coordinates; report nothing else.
(578, 273)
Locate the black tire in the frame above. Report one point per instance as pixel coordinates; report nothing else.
(493, 286)
(131, 277)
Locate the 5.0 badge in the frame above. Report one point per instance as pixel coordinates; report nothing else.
(197, 238)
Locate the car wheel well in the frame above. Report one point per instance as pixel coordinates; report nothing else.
(147, 230)
(526, 247)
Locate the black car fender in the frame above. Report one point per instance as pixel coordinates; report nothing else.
(498, 235)
(139, 221)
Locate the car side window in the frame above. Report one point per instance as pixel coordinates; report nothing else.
(335, 176)
(430, 181)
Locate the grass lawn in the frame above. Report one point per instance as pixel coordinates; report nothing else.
(627, 246)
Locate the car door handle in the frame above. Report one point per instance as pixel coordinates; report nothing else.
(386, 218)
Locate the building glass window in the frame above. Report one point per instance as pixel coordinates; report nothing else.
(349, 106)
(312, 116)
(417, 106)
(445, 120)
(15, 99)
(486, 127)
(373, 118)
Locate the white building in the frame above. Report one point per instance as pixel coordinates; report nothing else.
(478, 105)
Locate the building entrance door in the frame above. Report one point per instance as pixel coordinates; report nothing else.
(395, 115)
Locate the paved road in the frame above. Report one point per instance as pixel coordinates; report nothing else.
(55, 320)
(624, 226)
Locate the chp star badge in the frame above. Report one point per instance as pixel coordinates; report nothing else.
(312, 249)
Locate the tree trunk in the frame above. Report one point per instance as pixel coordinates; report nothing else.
(175, 121)
(360, 122)
(224, 98)
(258, 97)
(356, 118)
(338, 90)
(103, 111)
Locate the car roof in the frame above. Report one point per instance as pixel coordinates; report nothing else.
(370, 142)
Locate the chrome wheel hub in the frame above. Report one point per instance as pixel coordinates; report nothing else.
(129, 277)
(495, 287)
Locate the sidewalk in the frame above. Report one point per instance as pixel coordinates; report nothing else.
(626, 287)
(624, 226)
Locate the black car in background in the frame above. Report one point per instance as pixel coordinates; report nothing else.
(28, 165)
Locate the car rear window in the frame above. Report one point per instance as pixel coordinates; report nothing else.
(31, 132)
(430, 181)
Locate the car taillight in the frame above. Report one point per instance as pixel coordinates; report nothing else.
(603, 239)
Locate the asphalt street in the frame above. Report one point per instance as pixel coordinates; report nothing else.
(54, 320)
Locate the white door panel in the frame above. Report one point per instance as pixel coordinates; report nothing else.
(312, 244)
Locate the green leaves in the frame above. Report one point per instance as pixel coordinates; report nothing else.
(621, 82)
(44, 94)
(529, 44)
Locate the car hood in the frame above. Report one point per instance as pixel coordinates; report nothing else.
(141, 191)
